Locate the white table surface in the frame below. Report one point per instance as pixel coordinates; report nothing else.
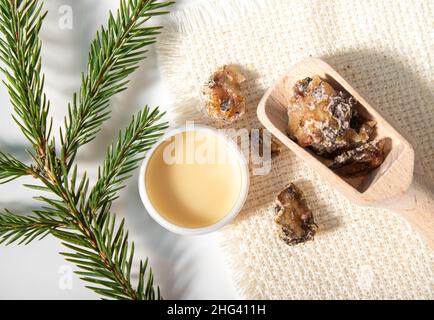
(184, 267)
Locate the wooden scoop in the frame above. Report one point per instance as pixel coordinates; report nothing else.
(394, 185)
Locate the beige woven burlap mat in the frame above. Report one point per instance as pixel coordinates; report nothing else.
(386, 50)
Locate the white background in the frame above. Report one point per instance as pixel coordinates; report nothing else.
(185, 267)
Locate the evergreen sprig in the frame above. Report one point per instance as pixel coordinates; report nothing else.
(107, 261)
(20, 51)
(11, 168)
(115, 53)
(74, 212)
(24, 229)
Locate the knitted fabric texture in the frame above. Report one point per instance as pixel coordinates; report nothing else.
(385, 49)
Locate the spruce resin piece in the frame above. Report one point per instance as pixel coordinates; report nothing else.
(359, 161)
(293, 216)
(326, 121)
(224, 100)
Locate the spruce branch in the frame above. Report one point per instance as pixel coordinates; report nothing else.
(114, 54)
(79, 217)
(97, 243)
(106, 260)
(20, 51)
(11, 168)
(24, 229)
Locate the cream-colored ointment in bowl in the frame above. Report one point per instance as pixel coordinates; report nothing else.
(194, 180)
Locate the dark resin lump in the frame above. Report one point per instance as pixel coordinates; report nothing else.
(326, 121)
(359, 161)
(224, 100)
(320, 118)
(293, 216)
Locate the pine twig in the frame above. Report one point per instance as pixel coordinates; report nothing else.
(24, 229)
(106, 261)
(81, 219)
(114, 54)
(11, 168)
(20, 50)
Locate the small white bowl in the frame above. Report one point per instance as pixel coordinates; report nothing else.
(227, 218)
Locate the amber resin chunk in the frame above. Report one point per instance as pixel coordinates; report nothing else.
(223, 97)
(359, 161)
(293, 216)
(324, 119)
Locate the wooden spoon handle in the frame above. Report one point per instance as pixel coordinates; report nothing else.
(417, 207)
